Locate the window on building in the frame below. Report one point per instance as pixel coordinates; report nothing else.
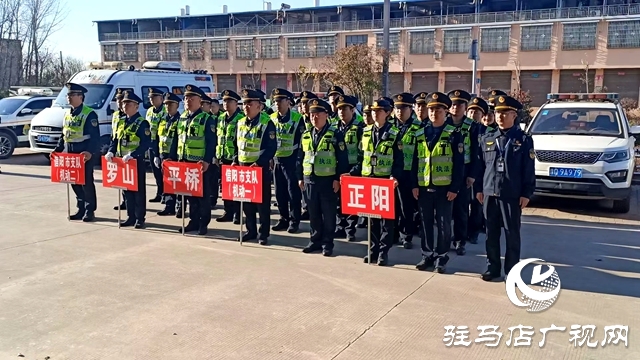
(495, 39)
(173, 51)
(270, 48)
(422, 42)
(579, 36)
(298, 48)
(152, 52)
(457, 41)
(535, 38)
(110, 52)
(245, 49)
(394, 40)
(325, 46)
(356, 40)
(624, 34)
(130, 52)
(220, 49)
(195, 50)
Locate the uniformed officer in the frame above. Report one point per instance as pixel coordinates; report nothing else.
(154, 114)
(469, 131)
(167, 129)
(392, 115)
(332, 95)
(206, 104)
(421, 108)
(477, 110)
(305, 96)
(350, 129)
(438, 166)
(324, 159)
(368, 118)
(507, 163)
(115, 119)
(407, 125)
(195, 142)
(81, 135)
(215, 108)
(381, 157)
(227, 147)
(493, 94)
(289, 129)
(265, 108)
(132, 141)
(256, 144)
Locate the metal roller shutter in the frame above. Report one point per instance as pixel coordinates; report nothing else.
(458, 80)
(396, 83)
(295, 84)
(250, 81)
(426, 81)
(495, 80)
(276, 81)
(573, 81)
(226, 82)
(537, 83)
(625, 82)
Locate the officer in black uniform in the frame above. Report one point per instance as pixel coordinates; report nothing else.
(507, 163)
(478, 109)
(322, 191)
(117, 115)
(392, 115)
(136, 200)
(305, 96)
(332, 95)
(207, 107)
(87, 144)
(166, 133)
(156, 110)
(252, 102)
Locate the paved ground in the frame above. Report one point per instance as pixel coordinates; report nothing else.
(92, 291)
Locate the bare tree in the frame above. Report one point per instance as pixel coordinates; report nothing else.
(516, 65)
(255, 76)
(303, 75)
(10, 46)
(585, 77)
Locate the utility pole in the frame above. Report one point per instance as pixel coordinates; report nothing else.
(62, 79)
(474, 53)
(386, 15)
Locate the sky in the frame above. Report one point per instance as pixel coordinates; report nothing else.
(84, 33)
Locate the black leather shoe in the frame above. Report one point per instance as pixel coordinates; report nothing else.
(383, 259)
(128, 222)
(263, 241)
(190, 227)
(122, 206)
(407, 244)
(440, 266)
(156, 199)
(166, 212)
(489, 276)
(460, 250)
(281, 225)
(304, 216)
(225, 218)
(426, 264)
(293, 228)
(203, 230)
(179, 213)
(340, 234)
(89, 217)
(374, 259)
(140, 225)
(247, 236)
(327, 252)
(311, 248)
(78, 215)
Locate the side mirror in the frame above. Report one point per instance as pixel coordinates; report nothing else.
(26, 111)
(635, 130)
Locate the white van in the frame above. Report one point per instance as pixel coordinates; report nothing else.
(102, 81)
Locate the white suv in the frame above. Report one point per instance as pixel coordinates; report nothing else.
(584, 148)
(16, 113)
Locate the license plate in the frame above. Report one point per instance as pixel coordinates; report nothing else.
(44, 138)
(565, 173)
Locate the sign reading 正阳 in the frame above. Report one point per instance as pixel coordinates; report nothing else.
(242, 183)
(67, 168)
(121, 175)
(182, 178)
(365, 196)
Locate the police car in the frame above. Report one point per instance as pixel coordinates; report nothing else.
(102, 80)
(584, 148)
(16, 113)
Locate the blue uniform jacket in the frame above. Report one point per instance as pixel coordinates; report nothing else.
(91, 128)
(268, 145)
(210, 138)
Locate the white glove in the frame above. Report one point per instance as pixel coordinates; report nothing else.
(127, 157)
(156, 162)
(109, 157)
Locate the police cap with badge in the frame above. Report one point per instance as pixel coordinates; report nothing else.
(421, 98)
(459, 96)
(278, 94)
(171, 98)
(252, 95)
(438, 99)
(387, 99)
(307, 95)
(230, 95)
(119, 94)
(479, 103)
(262, 93)
(493, 94)
(155, 92)
(73, 88)
(206, 99)
(506, 103)
(366, 109)
(192, 90)
(319, 106)
(347, 100)
(335, 90)
(130, 96)
(403, 99)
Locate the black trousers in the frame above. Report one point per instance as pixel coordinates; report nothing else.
(435, 208)
(288, 193)
(344, 222)
(214, 179)
(476, 217)
(86, 194)
(157, 175)
(502, 213)
(322, 208)
(137, 200)
(200, 207)
(231, 208)
(461, 215)
(381, 235)
(169, 199)
(264, 209)
(405, 211)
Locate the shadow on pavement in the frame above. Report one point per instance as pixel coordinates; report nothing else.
(601, 208)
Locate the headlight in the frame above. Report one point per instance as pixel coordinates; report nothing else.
(614, 156)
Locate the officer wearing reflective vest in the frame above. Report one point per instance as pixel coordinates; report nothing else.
(167, 129)
(304, 104)
(265, 108)
(81, 135)
(256, 144)
(332, 96)
(289, 129)
(323, 160)
(117, 116)
(392, 115)
(132, 141)
(507, 162)
(367, 117)
(195, 142)
(477, 110)
(350, 129)
(469, 130)
(438, 167)
(154, 114)
(380, 157)
(226, 148)
(206, 105)
(407, 125)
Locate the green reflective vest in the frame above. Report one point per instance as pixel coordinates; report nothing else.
(191, 144)
(115, 121)
(154, 119)
(435, 167)
(322, 160)
(73, 126)
(227, 136)
(408, 143)
(166, 134)
(351, 140)
(465, 129)
(250, 139)
(383, 153)
(336, 120)
(307, 123)
(285, 133)
(127, 136)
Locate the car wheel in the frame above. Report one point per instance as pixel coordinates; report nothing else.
(7, 145)
(622, 206)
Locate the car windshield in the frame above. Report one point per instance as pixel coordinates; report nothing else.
(577, 121)
(9, 106)
(97, 95)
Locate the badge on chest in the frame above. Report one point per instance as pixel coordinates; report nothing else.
(500, 165)
(374, 160)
